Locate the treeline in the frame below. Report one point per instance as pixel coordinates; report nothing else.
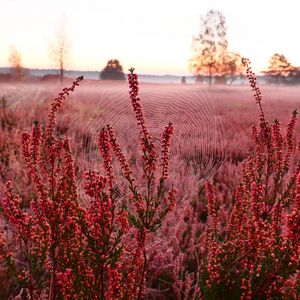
(213, 61)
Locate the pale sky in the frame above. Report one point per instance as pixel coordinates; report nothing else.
(153, 36)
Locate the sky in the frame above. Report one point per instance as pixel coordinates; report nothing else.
(153, 36)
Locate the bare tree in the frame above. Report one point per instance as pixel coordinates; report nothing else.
(17, 71)
(60, 49)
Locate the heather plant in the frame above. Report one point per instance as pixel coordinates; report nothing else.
(9, 144)
(43, 233)
(65, 250)
(257, 255)
(243, 245)
(155, 201)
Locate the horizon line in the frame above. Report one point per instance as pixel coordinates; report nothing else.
(260, 73)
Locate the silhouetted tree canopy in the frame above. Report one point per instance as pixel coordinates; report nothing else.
(281, 70)
(278, 68)
(112, 71)
(278, 65)
(210, 47)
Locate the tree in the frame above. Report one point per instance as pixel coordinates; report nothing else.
(60, 49)
(112, 71)
(210, 47)
(230, 65)
(17, 71)
(279, 67)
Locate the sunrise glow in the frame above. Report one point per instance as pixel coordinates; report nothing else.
(154, 36)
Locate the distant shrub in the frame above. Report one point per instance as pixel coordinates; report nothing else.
(112, 71)
(51, 77)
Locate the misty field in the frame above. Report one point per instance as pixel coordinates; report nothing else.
(180, 197)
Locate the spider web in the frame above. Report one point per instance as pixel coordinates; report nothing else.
(197, 149)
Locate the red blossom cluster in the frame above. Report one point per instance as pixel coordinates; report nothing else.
(253, 84)
(165, 151)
